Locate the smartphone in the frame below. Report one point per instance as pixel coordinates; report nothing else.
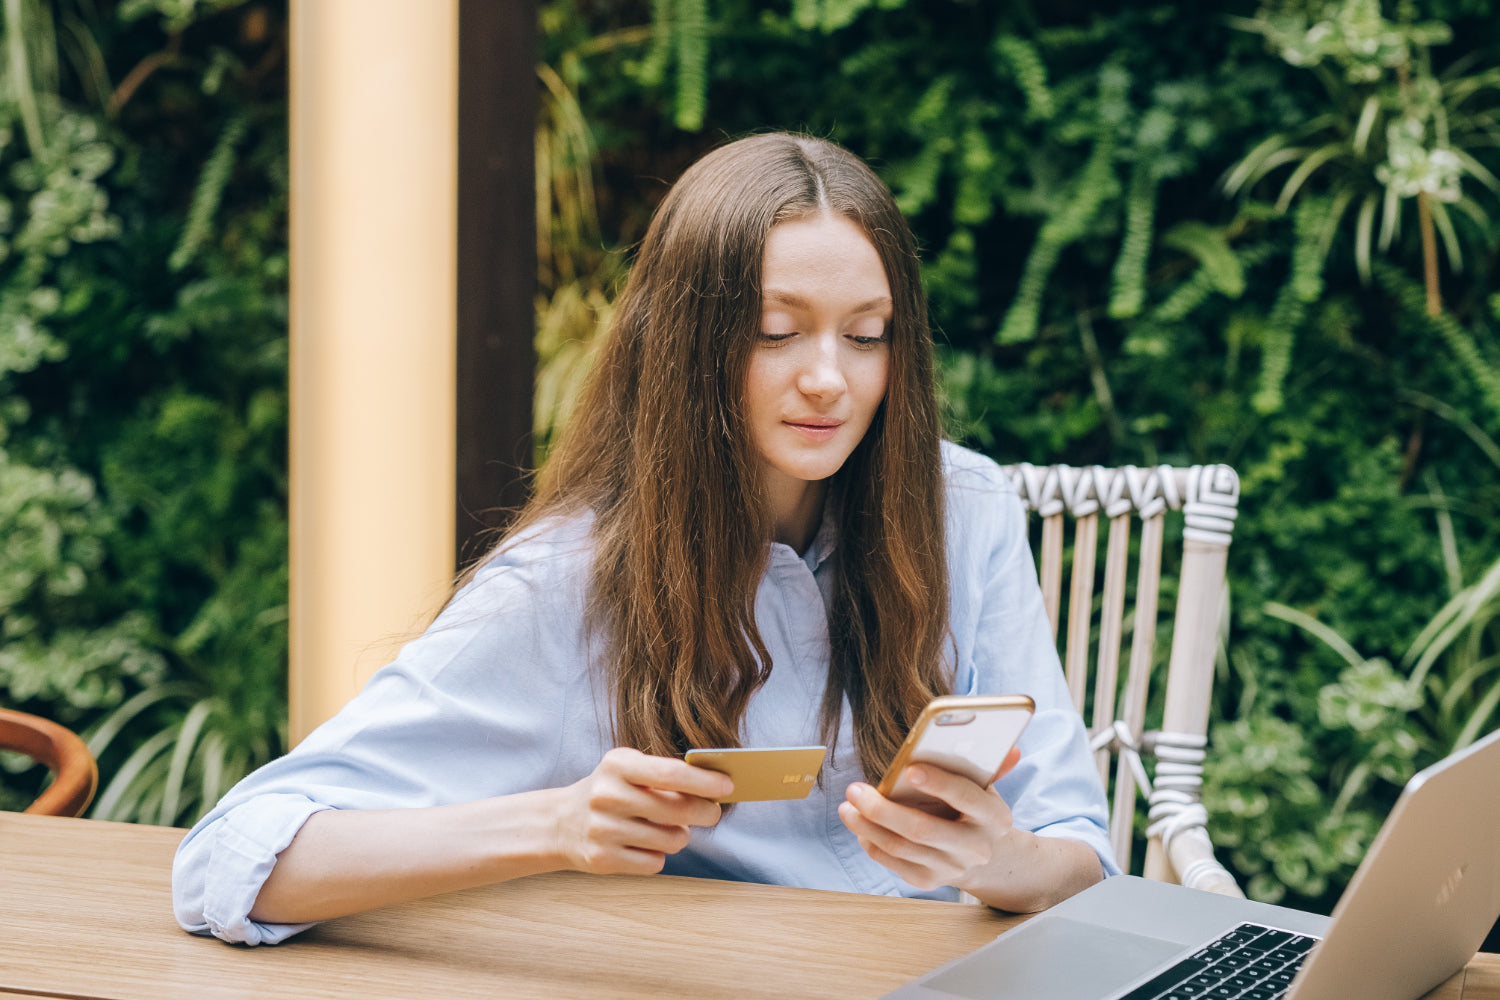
(762, 774)
(967, 734)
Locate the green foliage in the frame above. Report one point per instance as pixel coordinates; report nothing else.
(1303, 287)
(142, 393)
(175, 15)
(1074, 209)
(1394, 129)
(679, 40)
(576, 277)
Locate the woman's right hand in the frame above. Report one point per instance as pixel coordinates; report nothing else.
(633, 810)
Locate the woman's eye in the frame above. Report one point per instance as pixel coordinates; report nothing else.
(867, 332)
(777, 325)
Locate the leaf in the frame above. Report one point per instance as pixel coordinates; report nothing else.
(1251, 168)
(1471, 430)
(1334, 217)
(1479, 718)
(101, 738)
(1449, 623)
(1210, 245)
(1305, 170)
(1390, 221)
(1362, 234)
(1477, 170)
(1478, 216)
(111, 802)
(1317, 629)
(1444, 227)
(1367, 116)
(182, 753)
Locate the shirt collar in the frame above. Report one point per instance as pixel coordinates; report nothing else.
(823, 542)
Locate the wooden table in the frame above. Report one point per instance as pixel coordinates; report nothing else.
(85, 912)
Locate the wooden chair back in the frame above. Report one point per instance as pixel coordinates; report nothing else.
(1178, 846)
(75, 774)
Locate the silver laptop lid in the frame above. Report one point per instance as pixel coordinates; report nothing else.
(1427, 891)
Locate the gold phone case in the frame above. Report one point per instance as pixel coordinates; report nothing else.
(763, 774)
(967, 734)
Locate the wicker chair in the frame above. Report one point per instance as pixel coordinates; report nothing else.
(75, 775)
(1178, 845)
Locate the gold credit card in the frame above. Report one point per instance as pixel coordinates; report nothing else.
(762, 774)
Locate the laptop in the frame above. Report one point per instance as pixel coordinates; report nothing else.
(1419, 905)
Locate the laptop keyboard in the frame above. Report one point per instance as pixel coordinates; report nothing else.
(1251, 962)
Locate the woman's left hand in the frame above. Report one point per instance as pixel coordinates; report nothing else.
(979, 851)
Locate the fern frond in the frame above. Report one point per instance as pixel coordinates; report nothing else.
(1210, 245)
(208, 194)
(1188, 296)
(1030, 75)
(838, 14)
(1096, 183)
(1411, 297)
(653, 68)
(1129, 285)
(1303, 286)
(692, 64)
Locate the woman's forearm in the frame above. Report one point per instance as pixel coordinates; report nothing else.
(626, 816)
(345, 861)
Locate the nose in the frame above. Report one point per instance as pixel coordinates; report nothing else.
(822, 373)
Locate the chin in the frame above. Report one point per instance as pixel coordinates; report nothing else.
(810, 473)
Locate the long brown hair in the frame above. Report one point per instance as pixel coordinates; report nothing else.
(659, 451)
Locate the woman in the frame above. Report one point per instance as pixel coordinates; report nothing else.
(750, 535)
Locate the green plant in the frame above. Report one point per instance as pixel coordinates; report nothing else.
(142, 382)
(1389, 722)
(1394, 132)
(577, 277)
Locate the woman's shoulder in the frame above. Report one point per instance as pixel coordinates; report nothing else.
(984, 509)
(552, 557)
(965, 470)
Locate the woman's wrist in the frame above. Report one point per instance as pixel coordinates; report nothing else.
(1030, 872)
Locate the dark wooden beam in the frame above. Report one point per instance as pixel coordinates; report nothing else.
(497, 102)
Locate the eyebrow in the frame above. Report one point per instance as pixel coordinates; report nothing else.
(801, 302)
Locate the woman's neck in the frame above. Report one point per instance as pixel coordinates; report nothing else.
(796, 510)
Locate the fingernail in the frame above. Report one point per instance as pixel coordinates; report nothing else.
(916, 775)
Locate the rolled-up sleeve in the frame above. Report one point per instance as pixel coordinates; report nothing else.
(484, 703)
(220, 868)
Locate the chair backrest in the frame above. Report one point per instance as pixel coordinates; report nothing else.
(1178, 847)
(75, 774)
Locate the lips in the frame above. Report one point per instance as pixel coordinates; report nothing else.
(815, 428)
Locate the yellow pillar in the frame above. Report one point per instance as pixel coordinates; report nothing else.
(374, 99)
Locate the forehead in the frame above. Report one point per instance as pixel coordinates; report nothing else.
(822, 258)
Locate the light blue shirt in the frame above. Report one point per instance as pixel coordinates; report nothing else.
(503, 694)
